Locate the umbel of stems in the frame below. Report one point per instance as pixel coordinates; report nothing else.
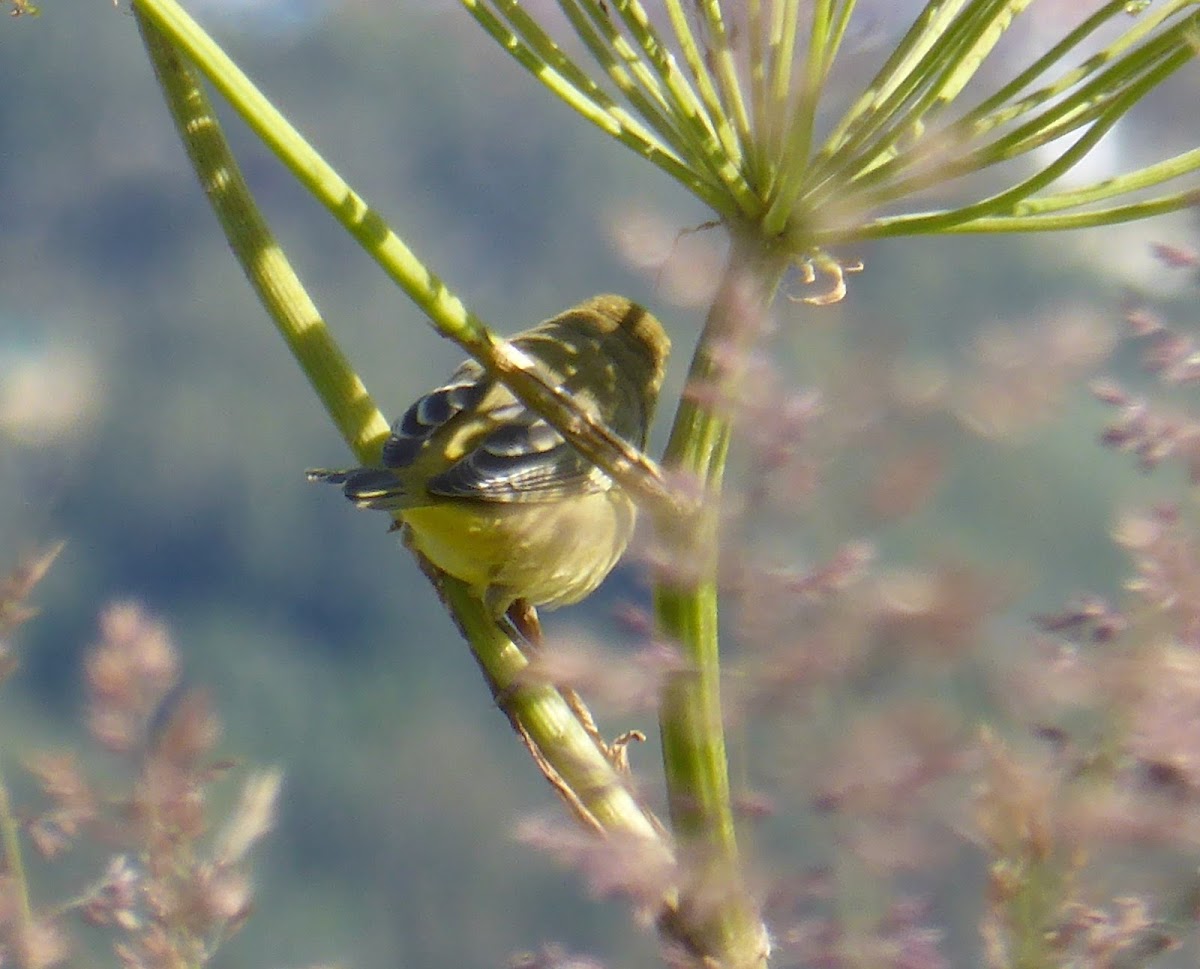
(726, 99)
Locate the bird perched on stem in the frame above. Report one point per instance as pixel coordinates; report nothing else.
(492, 494)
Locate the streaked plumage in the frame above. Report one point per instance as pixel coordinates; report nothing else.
(492, 493)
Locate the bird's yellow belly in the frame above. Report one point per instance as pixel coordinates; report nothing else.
(552, 554)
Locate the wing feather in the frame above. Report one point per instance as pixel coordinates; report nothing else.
(465, 389)
(520, 459)
(523, 460)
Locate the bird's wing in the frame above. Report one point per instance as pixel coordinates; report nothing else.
(523, 459)
(468, 385)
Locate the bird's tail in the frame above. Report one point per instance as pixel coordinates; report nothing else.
(366, 487)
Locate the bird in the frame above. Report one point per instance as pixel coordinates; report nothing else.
(492, 494)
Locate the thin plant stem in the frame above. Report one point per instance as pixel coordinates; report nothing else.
(546, 61)
(670, 106)
(797, 146)
(538, 709)
(708, 133)
(254, 246)
(1139, 71)
(997, 109)
(756, 29)
(694, 59)
(947, 222)
(724, 67)
(868, 113)
(1005, 204)
(14, 862)
(949, 70)
(782, 47)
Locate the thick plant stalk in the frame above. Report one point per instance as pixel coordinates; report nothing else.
(686, 601)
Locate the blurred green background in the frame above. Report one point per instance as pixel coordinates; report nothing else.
(154, 421)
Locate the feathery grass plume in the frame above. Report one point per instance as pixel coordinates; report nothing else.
(1019, 376)
(1158, 430)
(621, 682)
(72, 804)
(902, 937)
(1112, 691)
(611, 867)
(176, 881)
(1031, 867)
(130, 671)
(15, 610)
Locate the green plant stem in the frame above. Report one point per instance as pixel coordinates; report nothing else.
(756, 31)
(870, 111)
(697, 139)
(14, 862)
(720, 53)
(538, 55)
(316, 175)
(266, 267)
(952, 65)
(686, 605)
(781, 46)
(538, 712)
(1008, 203)
(1000, 107)
(636, 79)
(1089, 102)
(946, 223)
(706, 88)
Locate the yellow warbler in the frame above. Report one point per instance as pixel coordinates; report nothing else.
(492, 493)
